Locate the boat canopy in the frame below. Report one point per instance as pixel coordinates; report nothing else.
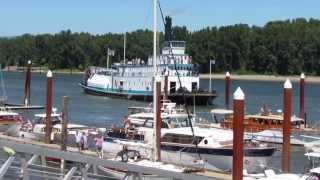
(44, 115)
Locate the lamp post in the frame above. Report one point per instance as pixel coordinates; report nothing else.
(212, 61)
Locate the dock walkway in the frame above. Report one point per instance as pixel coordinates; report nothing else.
(90, 157)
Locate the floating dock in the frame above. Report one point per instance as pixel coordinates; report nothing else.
(20, 106)
(90, 158)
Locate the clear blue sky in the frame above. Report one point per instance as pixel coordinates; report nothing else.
(102, 16)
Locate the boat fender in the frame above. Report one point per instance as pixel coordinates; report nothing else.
(9, 151)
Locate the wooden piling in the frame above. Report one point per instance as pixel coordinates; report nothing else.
(158, 121)
(165, 97)
(301, 106)
(226, 90)
(238, 108)
(65, 120)
(64, 131)
(287, 94)
(27, 84)
(48, 108)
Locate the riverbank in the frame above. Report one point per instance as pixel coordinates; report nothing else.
(41, 70)
(270, 78)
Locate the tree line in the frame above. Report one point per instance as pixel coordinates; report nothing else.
(279, 47)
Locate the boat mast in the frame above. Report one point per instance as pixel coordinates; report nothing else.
(124, 47)
(155, 150)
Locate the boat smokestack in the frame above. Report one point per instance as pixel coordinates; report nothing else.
(26, 99)
(301, 107)
(226, 90)
(287, 94)
(48, 107)
(238, 108)
(168, 29)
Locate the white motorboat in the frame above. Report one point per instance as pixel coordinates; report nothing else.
(270, 174)
(10, 122)
(124, 174)
(263, 128)
(275, 137)
(208, 148)
(35, 129)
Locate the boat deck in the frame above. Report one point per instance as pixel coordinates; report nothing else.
(198, 98)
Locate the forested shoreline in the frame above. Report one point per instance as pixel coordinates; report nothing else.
(279, 47)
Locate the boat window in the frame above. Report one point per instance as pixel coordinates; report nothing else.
(164, 125)
(205, 141)
(181, 139)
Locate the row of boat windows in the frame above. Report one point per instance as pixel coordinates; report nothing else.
(181, 139)
(139, 74)
(134, 83)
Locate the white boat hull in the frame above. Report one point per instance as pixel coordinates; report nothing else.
(10, 129)
(32, 135)
(214, 161)
(275, 137)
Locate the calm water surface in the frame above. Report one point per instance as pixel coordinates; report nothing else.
(101, 111)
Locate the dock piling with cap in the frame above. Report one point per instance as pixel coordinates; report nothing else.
(27, 84)
(226, 90)
(48, 108)
(238, 108)
(287, 94)
(301, 104)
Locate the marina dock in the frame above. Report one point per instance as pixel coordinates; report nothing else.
(89, 157)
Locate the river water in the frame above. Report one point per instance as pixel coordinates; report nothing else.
(102, 111)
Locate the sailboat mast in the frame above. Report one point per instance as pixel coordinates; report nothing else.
(155, 150)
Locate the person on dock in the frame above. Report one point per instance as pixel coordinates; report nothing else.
(98, 142)
(78, 139)
(85, 141)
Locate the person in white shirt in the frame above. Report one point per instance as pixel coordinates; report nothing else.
(85, 140)
(78, 139)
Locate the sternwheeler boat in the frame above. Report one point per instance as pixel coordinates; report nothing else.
(134, 79)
